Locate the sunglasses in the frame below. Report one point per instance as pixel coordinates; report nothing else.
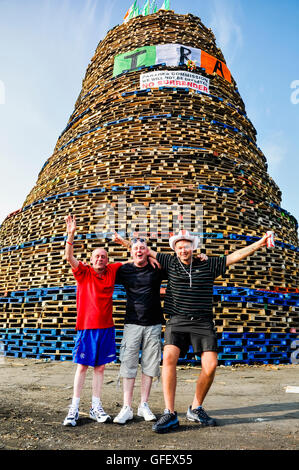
(135, 240)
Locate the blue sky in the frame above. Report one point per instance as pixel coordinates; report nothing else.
(45, 48)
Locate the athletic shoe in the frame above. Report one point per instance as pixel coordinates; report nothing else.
(72, 417)
(125, 414)
(166, 422)
(145, 412)
(200, 416)
(98, 414)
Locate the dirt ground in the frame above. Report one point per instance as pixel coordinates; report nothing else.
(250, 403)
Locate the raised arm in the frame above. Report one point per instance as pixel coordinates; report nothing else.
(69, 249)
(127, 244)
(239, 255)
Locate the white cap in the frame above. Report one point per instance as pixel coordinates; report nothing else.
(184, 235)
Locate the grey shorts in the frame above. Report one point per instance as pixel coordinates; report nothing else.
(135, 338)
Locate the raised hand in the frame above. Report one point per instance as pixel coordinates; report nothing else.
(121, 241)
(71, 225)
(264, 239)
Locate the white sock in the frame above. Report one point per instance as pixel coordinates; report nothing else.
(95, 401)
(75, 402)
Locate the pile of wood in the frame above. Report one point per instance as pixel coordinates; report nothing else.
(123, 147)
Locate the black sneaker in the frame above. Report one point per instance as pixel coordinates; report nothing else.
(200, 416)
(166, 422)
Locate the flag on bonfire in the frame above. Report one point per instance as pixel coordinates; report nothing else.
(132, 12)
(165, 5)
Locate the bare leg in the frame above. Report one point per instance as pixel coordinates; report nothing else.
(97, 380)
(79, 379)
(146, 385)
(128, 386)
(170, 358)
(206, 377)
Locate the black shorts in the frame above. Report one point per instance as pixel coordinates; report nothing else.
(182, 332)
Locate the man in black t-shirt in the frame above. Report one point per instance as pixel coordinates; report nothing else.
(142, 326)
(188, 301)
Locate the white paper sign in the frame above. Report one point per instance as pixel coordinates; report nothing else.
(174, 79)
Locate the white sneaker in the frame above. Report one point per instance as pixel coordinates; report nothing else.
(125, 414)
(72, 417)
(145, 412)
(98, 414)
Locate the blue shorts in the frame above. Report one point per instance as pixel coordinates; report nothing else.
(95, 347)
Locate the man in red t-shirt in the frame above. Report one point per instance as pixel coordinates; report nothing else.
(95, 341)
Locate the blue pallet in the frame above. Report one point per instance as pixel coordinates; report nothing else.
(48, 331)
(49, 350)
(257, 349)
(276, 342)
(13, 336)
(31, 343)
(227, 335)
(232, 356)
(227, 342)
(254, 335)
(12, 354)
(66, 358)
(10, 330)
(65, 338)
(30, 355)
(67, 345)
(22, 349)
(15, 342)
(265, 356)
(232, 349)
(68, 331)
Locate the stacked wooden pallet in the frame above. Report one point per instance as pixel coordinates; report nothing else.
(124, 147)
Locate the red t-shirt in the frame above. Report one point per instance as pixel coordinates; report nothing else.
(94, 296)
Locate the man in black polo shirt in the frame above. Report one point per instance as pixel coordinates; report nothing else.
(142, 325)
(188, 301)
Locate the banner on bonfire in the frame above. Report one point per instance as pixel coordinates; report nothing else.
(171, 55)
(174, 79)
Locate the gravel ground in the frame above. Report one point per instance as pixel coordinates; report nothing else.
(250, 404)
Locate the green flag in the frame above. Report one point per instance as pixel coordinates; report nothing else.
(133, 59)
(146, 8)
(165, 5)
(131, 12)
(154, 6)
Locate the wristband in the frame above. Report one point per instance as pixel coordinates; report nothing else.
(70, 243)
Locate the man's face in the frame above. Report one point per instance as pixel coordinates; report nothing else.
(183, 249)
(139, 252)
(99, 259)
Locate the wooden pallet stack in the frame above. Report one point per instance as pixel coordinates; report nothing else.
(123, 147)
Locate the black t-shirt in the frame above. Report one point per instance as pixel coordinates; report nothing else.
(197, 300)
(142, 286)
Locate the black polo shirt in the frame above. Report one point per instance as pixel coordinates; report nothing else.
(183, 300)
(142, 287)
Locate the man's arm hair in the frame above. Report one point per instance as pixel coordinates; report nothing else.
(69, 249)
(239, 255)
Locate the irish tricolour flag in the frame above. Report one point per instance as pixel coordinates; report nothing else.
(132, 11)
